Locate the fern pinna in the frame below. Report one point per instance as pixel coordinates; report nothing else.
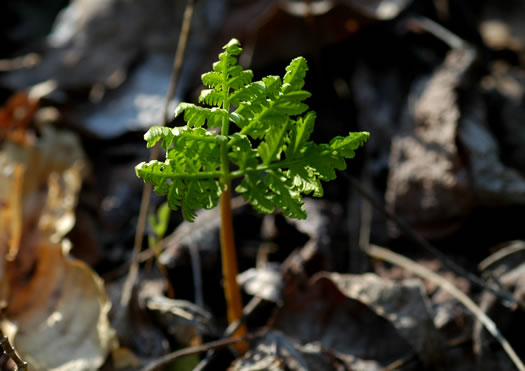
(271, 113)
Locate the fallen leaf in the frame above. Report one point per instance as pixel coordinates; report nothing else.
(181, 319)
(60, 313)
(264, 282)
(364, 316)
(16, 115)
(57, 306)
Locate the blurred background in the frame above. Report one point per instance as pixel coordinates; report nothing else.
(439, 84)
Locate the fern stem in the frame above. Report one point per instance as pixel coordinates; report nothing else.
(232, 291)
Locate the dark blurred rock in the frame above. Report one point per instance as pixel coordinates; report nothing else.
(97, 45)
(94, 41)
(429, 184)
(136, 105)
(25, 22)
(493, 181)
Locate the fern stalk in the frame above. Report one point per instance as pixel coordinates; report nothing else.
(232, 291)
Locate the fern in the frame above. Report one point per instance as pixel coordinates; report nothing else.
(271, 152)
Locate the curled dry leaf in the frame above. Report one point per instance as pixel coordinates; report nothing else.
(182, 319)
(54, 312)
(264, 282)
(57, 306)
(403, 304)
(363, 316)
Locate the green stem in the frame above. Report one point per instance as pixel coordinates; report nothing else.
(284, 164)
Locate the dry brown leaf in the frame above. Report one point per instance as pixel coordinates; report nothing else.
(57, 314)
(60, 314)
(16, 115)
(364, 316)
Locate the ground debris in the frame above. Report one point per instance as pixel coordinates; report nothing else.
(506, 267)
(432, 199)
(347, 313)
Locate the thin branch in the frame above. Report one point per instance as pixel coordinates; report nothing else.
(512, 248)
(14, 214)
(440, 32)
(197, 274)
(247, 310)
(146, 194)
(417, 238)
(425, 273)
(217, 344)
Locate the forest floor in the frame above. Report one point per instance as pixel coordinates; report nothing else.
(414, 259)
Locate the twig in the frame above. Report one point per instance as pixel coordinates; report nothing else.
(197, 274)
(247, 310)
(146, 194)
(358, 257)
(16, 212)
(514, 247)
(416, 237)
(403, 361)
(173, 239)
(425, 273)
(440, 32)
(217, 344)
(10, 352)
(161, 267)
(179, 55)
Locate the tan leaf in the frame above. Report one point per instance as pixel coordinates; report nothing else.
(60, 313)
(57, 307)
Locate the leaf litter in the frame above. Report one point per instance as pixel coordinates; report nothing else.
(57, 308)
(316, 325)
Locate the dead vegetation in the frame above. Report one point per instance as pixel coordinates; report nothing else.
(438, 84)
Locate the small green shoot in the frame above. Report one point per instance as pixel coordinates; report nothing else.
(159, 224)
(269, 152)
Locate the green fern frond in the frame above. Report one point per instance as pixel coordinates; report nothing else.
(197, 116)
(294, 78)
(299, 135)
(287, 198)
(212, 79)
(270, 149)
(256, 193)
(275, 170)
